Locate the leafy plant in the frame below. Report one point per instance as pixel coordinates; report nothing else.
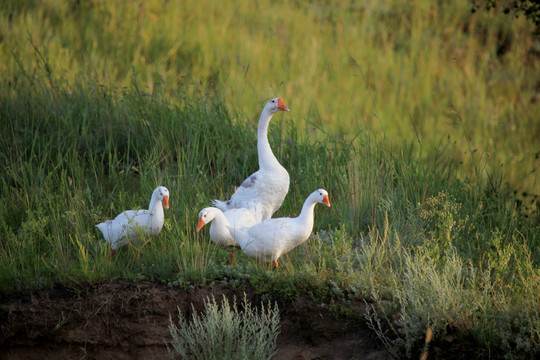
(442, 221)
(227, 333)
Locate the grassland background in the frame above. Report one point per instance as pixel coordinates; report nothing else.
(424, 71)
(103, 101)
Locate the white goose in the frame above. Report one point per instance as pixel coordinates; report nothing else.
(262, 192)
(270, 239)
(129, 225)
(224, 224)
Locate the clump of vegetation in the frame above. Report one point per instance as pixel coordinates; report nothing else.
(441, 292)
(529, 8)
(442, 221)
(225, 332)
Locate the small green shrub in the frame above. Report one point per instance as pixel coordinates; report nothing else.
(225, 333)
(442, 221)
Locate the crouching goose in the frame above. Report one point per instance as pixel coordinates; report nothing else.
(224, 225)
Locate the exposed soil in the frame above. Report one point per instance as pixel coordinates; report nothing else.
(125, 320)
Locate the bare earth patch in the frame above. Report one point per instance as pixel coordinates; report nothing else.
(126, 320)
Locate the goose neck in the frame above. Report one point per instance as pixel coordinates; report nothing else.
(267, 158)
(157, 209)
(307, 214)
(156, 206)
(153, 204)
(219, 219)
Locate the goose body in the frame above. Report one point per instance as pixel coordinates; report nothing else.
(131, 224)
(262, 192)
(271, 238)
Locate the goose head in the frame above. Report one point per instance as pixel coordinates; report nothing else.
(321, 196)
(275, 105)
(205, 216)
(162, 194)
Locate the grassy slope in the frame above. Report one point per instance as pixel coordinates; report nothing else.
(448, 254)
(423, 69)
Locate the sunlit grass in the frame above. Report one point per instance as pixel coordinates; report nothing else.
(430, 71)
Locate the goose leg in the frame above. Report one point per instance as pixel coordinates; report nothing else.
(232, 257)
(276, 265)
(111, 253)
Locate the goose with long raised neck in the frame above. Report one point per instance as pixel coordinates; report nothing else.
(224, 224)
(262, 192)
(131, 225)
(271, 238)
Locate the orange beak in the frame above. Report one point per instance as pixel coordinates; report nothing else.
(200, 224)
(326, 201)
(281, 105)
(166, 202)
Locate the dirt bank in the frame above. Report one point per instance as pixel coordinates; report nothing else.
(125, 320)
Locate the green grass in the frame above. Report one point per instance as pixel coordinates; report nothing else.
(92, 123)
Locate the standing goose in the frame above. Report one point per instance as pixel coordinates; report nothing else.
(129, 225)
(262, 192)
(270, 239)
(224, 225)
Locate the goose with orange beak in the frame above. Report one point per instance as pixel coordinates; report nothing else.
(263, 191)
(132, 225)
